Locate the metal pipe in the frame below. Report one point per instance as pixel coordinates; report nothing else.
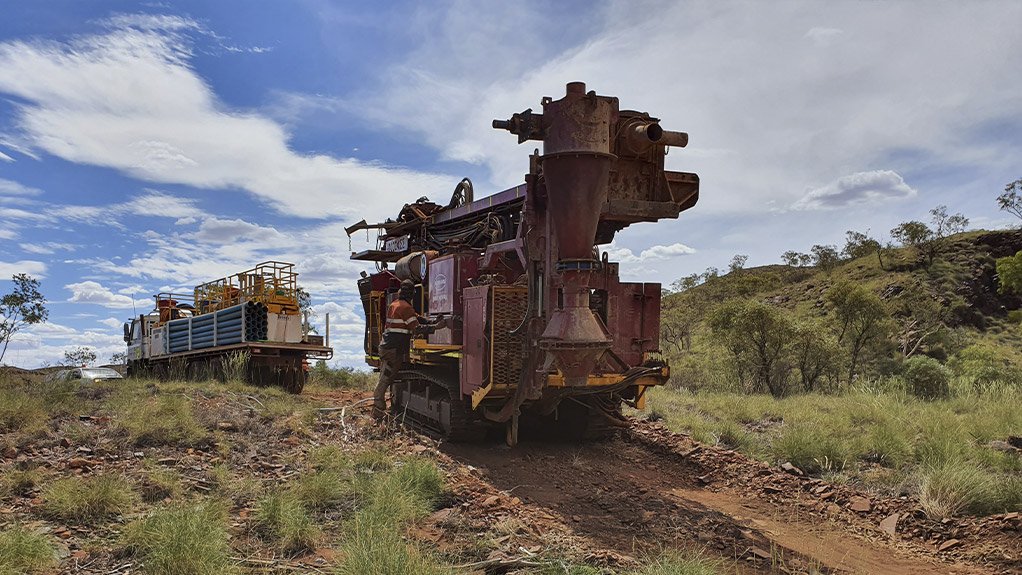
(675, 139)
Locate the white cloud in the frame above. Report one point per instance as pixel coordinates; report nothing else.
(32, 348)
(19, 214)
(129, 99)
(50, 330)
(30, 267)
(4, 157)
(858, 188)
(7, 231)
(769, 114)
(823, 36)
(95, 293)
(159, 204)
(658, 252)
(152, 204)
(112, 322)
(218, 231)
(46, 248)
(664, 252)
(12, 188)
(339, 313)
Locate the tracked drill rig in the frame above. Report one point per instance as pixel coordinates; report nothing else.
(541, 326)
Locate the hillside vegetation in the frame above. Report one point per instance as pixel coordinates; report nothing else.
(896, 368)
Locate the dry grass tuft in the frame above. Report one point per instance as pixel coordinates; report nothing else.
(182, 540)
(163, 420)
(282, 518)
(87, 500)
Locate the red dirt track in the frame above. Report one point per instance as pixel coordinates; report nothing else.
(653, 490)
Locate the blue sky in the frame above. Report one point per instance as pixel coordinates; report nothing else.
(152, 146)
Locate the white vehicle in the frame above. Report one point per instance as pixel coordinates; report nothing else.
(85, 373)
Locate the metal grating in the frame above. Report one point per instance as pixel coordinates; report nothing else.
(510, 305)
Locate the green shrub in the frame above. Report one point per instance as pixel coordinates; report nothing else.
(282, 518)
(985, 367)
(926, 378)
(731, 436)
(87, 500)
(372, 461)
(372, 546)
(420, 478)
(182, 540)
(341, 377)
(22, 552)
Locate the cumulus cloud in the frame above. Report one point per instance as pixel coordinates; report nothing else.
(129, 99)
(219, 231)
(41, 345)
(31, 267)
(95, 293)
(657, 252)
(858, 188)
(769, 113)
(49, 329)
(112, 322)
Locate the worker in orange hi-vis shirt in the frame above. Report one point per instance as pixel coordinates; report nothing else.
(402, 323)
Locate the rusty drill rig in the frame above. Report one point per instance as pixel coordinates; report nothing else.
(542, 327)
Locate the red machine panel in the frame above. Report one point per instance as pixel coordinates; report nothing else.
(448, 276)
(474, 353)
(633, 315)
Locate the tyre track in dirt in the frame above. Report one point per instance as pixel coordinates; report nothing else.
(626, 497)
(652, 490)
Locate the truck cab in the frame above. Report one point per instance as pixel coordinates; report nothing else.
(139, 337)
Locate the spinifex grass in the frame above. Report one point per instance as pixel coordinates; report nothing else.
(374, 541)
(23, 552)
(87, 500)
(182, 540)
(161, 420)
(945, 444)
(281, 517)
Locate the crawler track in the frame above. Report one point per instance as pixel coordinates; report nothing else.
(462, 428)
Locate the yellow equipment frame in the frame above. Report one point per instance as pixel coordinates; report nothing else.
(272, 283)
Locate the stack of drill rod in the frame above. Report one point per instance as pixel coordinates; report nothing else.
(243, 322)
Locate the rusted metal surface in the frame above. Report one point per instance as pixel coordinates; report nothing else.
(571, 320)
